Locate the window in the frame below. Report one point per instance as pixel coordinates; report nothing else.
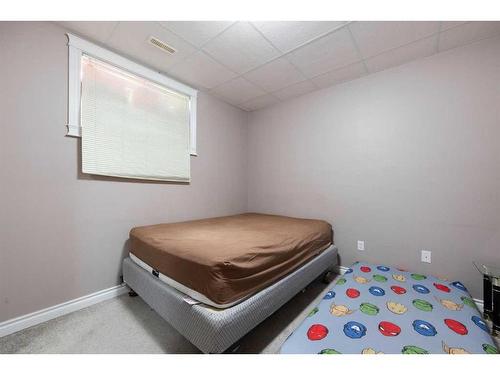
(134, 122)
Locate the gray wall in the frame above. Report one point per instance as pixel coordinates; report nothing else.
(63, 234)
(406, 159)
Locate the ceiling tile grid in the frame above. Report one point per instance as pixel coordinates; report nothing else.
(275, 75)
(400, 55)
(297, 89)
(238, 91)
(373, 37)
(199, 69)
(343, 74)
(253, 65)
(467, 33)
(241, 48)
(327, 53)
(260, 102)
(288, 35)
(197, 33)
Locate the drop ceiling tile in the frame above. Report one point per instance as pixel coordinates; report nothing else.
(344, 74)
(295, 90)
(196, 32)
(201, 71)
(374, 37)
(259, 102)
(421, 48)
(445, 25)
(275, 75)
(468, 33)
(131, 38)
(327, 53)
(238, 91)
(241, 48)
(98, 31)
(286, 35)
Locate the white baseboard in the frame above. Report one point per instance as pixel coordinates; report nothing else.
(17, 324)
(479, 302)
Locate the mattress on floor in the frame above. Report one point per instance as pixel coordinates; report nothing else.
(227, 259)
(380, 309)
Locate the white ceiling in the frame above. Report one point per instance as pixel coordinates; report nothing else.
(256, 64)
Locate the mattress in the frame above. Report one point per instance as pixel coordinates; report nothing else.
(193, 294)
(379, 309)
(227, 259)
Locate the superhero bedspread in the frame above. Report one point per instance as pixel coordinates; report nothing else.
(380, 309)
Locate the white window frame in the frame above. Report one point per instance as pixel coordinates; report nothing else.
(78, 46)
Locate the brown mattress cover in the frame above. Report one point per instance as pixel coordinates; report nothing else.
(228, 258)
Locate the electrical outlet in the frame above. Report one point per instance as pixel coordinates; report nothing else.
(426, 256)
(361, 245)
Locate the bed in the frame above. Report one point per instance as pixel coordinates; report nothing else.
(379, 309)
(215, 279)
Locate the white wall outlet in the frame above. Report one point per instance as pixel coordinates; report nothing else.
(361, 245)
(426, 256)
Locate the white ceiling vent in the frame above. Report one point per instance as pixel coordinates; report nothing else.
(161, 45)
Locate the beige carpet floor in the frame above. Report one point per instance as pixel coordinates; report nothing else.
(129, 325)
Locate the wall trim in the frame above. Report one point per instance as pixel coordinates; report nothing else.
(479, 302)
(17, 324)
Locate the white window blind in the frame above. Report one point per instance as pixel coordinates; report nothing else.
(132, 127)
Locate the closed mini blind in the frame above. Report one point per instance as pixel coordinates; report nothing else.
(132, 127)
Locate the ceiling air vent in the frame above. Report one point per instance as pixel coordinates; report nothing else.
(161, 45)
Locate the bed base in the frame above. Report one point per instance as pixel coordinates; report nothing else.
(212, 330)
